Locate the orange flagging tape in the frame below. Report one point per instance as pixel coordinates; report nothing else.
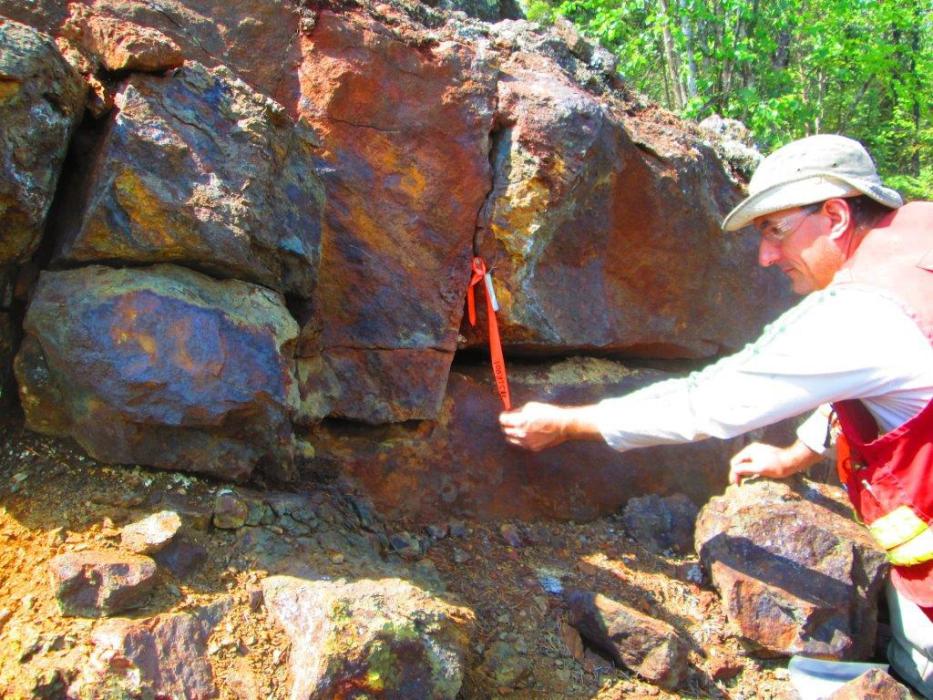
(480, 274)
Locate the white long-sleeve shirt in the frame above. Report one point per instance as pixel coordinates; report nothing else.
(840, 343)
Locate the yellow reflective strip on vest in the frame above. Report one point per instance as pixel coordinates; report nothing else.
(897, 527)
(916, 551)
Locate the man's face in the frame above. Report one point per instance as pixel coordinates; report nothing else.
(795, 240)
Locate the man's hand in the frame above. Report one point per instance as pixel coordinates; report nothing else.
(536, 426)
(759, 459)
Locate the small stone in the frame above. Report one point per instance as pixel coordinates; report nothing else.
(723, 667)
(511, 535)
(255, 599)
(505, 665)
(337, 558)
(571, 639)
(101, 583)
(181, 557)
(151, 534)
(55, 537)
(437, 532)
(230, 510)
(460, 556)
(406, 545)
(695, 575)
(458, 528)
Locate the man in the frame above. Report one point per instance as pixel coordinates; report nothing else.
(861, 340)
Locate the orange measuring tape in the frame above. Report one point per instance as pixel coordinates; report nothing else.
(480, 274)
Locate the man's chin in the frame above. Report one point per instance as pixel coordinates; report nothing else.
(799, 283)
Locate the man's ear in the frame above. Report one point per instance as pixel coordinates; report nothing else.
(840, 217)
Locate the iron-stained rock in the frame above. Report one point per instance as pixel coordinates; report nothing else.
(405, 136)
(381, 637)
(874, 684)
(161, 656)
(160, 366)
(796, 574)
(123, 46)
(649, 647)
(461, 466)
(230, 510)
(152, 533)
(101, 583)
(199, 169)
(604, 229)
(41, 102)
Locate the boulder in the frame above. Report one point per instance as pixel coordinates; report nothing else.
(101, 583)
(603, 229)
(197, 168)
(41, 102)
(122, 46)
(635, 641)
(162, 656)
(405, 141)
(385, 638)
(796, 574)
(461, 466)
(212, 32)
(161, 366)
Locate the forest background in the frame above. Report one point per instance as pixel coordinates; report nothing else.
(786, 68)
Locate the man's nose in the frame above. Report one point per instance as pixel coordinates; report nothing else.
(768, 253)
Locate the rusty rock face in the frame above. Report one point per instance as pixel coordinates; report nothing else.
(197, 168)
(41, 103)
(590, 204)
(404, 131)
(461, 466)
(796, 574)
(160, 366)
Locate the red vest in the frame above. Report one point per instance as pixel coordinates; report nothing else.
(895, 469)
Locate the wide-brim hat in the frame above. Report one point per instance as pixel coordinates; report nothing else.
(807, 171)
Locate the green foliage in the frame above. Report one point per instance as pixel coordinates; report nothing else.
(787, 68)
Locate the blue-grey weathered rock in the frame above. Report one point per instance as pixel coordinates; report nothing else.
(41, 102)
(383, 637)
(661, 524)
(199, 169)
(796, 574)
(163, 367)
(101, 583)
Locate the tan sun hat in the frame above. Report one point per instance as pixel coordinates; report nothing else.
(807, 171)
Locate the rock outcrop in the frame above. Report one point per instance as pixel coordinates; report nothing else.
(460, 465)
(338, 165)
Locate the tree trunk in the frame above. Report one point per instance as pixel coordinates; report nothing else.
(670, 55)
